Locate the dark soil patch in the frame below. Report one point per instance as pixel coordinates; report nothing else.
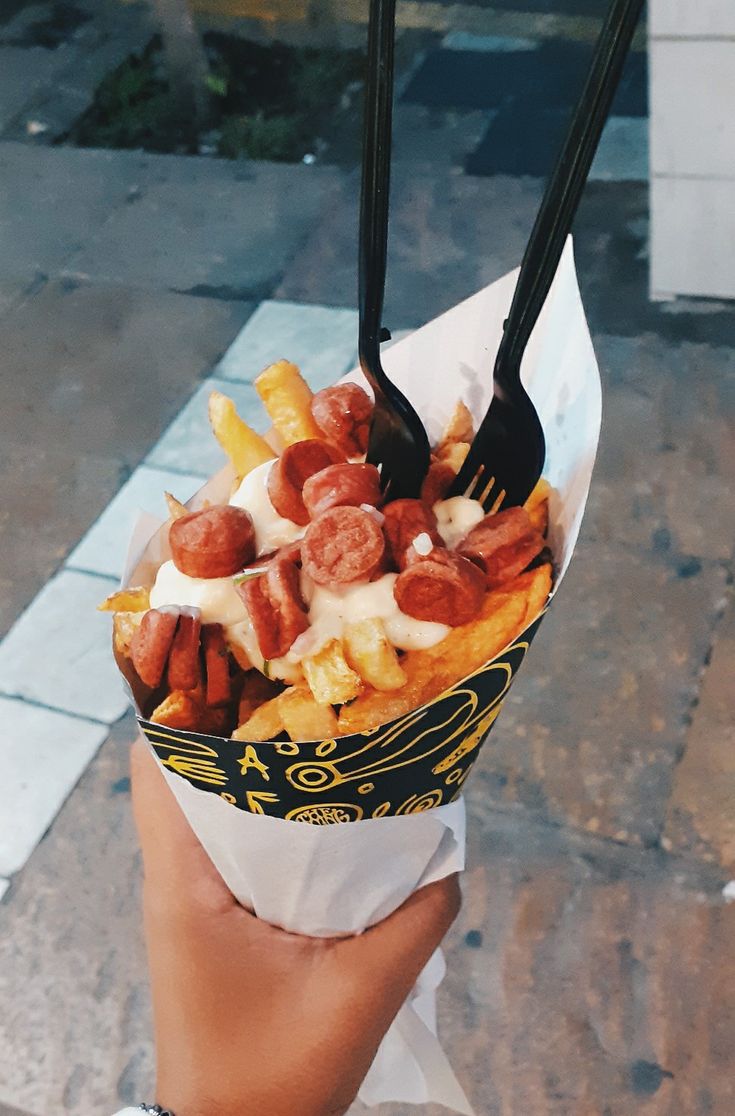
(268, 102)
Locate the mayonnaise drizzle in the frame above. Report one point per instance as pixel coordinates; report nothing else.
(456, 517)
(217, 597)
(331, 609)
(271, 529)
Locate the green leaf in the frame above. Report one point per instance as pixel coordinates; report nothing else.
(217, 84)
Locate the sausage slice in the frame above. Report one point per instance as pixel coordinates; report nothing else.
(404, 521)
(151, 644)
(443, 587)
(213, 542)
(344, 412)
(293, 468)
(342, 486)
(341, 546)
(503, 545)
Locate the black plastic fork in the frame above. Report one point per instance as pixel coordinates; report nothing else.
(508, 452)
(398, 444)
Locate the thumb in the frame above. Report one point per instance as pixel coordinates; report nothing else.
(394, 952)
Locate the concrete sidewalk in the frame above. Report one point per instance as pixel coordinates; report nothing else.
(590, 971)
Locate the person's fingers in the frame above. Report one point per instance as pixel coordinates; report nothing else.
(400, 946)
(174, 862)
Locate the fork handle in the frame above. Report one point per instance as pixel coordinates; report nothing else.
(564, 188)
(374, 197)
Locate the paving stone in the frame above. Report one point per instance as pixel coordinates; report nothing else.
(701, 816)
(611, 247)
(561, 996)
(595, 724)
(564, 996)
(22, 74)
(4, 885)
(92, 378)
(73, 975)
(623, 152)
(58, 652)
(322, 340)
(43, 755)
(449, 236)
(667, 449)
(49, 496)
(43, 183)
(107, 368)
(104, 547)
(189, 444)
(208, 226)
(435, 140)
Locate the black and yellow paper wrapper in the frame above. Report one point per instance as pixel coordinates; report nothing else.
(399, 786)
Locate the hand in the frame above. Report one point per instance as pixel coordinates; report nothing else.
(250, 1020)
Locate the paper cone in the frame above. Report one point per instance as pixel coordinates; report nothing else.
(399, 785)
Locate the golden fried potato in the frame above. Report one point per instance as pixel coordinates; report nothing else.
(370, 654)
(134, 599)
(330, 678)
(176, 510)
(256, 690)
(287, 399)
(304, 718)
(461, 426)
(453, 455)
(464, 650)
(180, 709)
(265, 723)
(124, 627)
(537, 506)
(243, 446)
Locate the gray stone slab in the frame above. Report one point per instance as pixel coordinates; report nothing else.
(701, 814)
(593, 728)
(561, 983)
(92, 376)
(663, 475)
(450, 235)
(23, 73)
(208, 226)
(52, 199)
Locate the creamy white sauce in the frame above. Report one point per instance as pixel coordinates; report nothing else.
(217, 597)
(456, 517)
(331, 609)
(271, 529)
(285, 668)
(423, 545)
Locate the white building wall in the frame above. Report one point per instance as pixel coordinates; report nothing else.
(692, 145)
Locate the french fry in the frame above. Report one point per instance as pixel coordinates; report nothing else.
(368, 652)
(330, 678)
(303, 717)
(180, 709)
(537, 505)
(124, 627)
(461, 425)
(134, 599)
(287, 399)
(539, 587)
(265, 723)
(256, 690)
(464, 650)
(453, 455)
(243, 446)
(176, 510)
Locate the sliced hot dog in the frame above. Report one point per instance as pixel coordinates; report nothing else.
(341, 486)
(151, 643)
(343, 412)
(404, 521)
(276, 607)
(444, 587)
(503, 545)
(341, 546)
(214, 542)
(296, 464)
(216, 665)
(184, 671)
